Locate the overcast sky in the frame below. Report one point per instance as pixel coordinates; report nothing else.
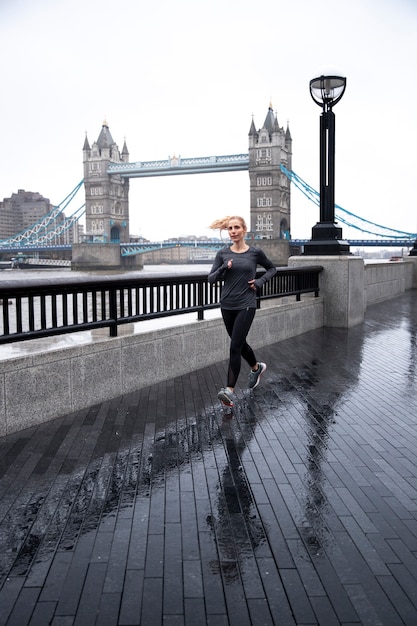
(184, 77)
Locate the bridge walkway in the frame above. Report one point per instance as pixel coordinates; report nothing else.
(161, 507)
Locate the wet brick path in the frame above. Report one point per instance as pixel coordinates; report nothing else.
(161, 508)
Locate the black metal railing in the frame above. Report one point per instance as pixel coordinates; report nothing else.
(45, 307)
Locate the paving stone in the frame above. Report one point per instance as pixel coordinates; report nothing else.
(299, 506)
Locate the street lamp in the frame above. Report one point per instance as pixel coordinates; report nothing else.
(326, 237)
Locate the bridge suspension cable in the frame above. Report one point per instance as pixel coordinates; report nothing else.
(345, 216)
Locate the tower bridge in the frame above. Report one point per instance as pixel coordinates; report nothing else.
(107, 173)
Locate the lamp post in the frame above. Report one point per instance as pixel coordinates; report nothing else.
(326, 237)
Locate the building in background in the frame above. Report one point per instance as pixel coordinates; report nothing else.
(25, 209)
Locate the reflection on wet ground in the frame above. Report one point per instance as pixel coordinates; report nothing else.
(298, 507)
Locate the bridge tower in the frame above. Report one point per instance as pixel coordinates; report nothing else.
(270, 198)
(106, 196)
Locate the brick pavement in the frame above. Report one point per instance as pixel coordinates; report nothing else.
(161, 507)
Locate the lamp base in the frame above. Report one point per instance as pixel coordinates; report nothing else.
(326, 238)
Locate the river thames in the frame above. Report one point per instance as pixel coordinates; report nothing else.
(25, 274)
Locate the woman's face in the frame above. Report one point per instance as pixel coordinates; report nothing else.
(236, 230)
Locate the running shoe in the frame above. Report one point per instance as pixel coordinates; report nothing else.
(226, 396)
(255, 376)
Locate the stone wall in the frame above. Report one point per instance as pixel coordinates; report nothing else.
(387, 280)
(348, 285)
(341, 287)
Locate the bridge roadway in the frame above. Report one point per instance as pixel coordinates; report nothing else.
(176, 165)
(161, 507)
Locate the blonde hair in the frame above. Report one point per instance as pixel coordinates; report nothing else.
(223, 223)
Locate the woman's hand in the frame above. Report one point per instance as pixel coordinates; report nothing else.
(251, 284)
(229, 263)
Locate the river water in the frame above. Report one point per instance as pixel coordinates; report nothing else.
(34, 346)
(17, 274)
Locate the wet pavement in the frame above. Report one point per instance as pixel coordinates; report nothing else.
(161, 507)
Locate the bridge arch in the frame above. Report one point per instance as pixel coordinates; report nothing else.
(115, 234)
(284, 229)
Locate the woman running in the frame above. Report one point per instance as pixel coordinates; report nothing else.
(237, 265)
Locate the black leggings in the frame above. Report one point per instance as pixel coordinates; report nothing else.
(238, 324)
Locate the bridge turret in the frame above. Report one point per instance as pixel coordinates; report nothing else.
(288, 146)
(252, 130)
(86, 147)
(125, 153)
(86, 155)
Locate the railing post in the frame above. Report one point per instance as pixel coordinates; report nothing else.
(113, 311)
(200, 297)
(298, 279)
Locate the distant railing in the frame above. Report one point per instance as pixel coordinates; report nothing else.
(47, 307)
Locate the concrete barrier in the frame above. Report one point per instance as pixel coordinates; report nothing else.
(348, 285)
(40, 387)
(384, 281)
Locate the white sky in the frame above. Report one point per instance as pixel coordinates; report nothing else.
(184, 77)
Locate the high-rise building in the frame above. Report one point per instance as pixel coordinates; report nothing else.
(26, 209)
(20, 211)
